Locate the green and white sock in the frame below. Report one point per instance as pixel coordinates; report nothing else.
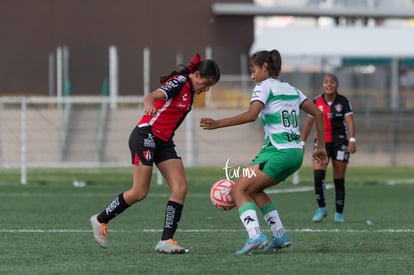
(248, 216)
(272, 218)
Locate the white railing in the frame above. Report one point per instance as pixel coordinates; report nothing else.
(35, 131)
(41, 132)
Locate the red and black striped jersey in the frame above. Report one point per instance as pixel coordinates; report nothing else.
(334, 113)
(179, 96)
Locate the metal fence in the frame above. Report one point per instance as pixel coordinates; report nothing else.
(93, 131)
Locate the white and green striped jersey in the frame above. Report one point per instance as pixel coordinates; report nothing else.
(281, 111)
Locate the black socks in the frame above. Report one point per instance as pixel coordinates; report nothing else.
(339, 195)
(116, 207)
(172, 218)
(320, 188)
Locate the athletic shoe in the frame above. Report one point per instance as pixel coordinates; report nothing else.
(253, 244)
(277, 243)
(339, 217)
(169, 247)
(320, 214)
(100, 231)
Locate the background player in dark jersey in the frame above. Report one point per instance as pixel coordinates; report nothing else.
(151, 141)
(340, 142)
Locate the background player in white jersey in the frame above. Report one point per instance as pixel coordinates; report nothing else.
(278, 106)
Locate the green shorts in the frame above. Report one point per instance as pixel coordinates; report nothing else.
(278, 164)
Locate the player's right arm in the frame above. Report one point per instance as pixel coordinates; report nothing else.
(169, 89)
(150, 99)
(248, 116)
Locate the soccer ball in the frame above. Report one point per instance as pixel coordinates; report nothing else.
(220, 194)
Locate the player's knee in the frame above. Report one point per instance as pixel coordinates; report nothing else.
(179, 188)
(237, 191)
(134, 196)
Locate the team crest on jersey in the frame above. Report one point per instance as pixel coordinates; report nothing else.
(147, 155)
(339, 107)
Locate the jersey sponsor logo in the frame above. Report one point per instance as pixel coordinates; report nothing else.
(292, 137)
(149, 141)
(181, 105)
(173, 83)
(342, 154)
(184, 97)
(169, 216)
(182, 78)
(112, 206)
(256, 94)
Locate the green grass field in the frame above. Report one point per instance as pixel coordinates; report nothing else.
(45, 229)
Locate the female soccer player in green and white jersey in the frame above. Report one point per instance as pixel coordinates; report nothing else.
(278, 106)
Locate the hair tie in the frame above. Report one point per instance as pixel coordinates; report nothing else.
(194, 63)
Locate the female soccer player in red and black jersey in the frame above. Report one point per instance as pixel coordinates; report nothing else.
(151, 141)
(340, 142)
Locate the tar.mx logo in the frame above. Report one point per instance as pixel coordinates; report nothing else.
(235, 172)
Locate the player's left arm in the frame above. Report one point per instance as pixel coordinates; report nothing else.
(248, 116)
(349, 120)
(319, 154)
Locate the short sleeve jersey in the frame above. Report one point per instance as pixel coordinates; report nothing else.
(334, 113)
(281, 111)
(179, 96)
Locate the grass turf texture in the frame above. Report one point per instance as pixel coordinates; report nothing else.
(44, 226)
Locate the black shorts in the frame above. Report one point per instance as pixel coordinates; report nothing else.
(337, 150)
(148, 149)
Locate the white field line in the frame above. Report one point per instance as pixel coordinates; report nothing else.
(198, 195)
(271, 191)
(302, 230)
(401, 181)
(274, 190)
(294, 189)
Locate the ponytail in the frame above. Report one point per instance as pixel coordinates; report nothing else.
(207, 68)
(272, 58)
